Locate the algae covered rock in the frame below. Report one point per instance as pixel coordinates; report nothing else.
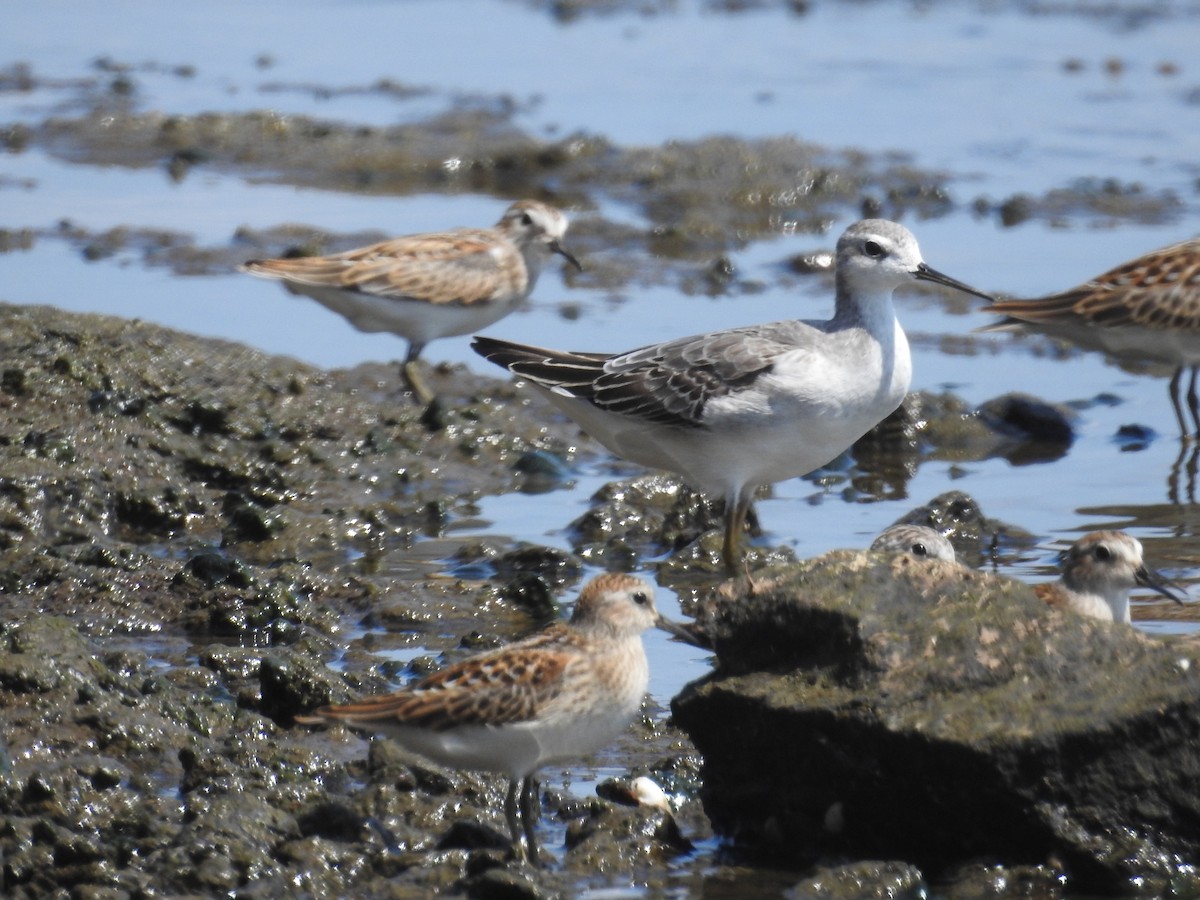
(883, 708)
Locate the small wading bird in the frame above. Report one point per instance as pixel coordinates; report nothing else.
(422, 287)
(558, 695)
(1145, 310)
(733, 410)
(919, 541)
(1098, 572)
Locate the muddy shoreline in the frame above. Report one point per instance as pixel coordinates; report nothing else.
(189, 529)
(199, 541)
(191, 540)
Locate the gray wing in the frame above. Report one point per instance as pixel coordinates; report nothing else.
(666, 384)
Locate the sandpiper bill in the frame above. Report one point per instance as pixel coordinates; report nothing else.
(1098, 572)
(427, 286)
(558, 695)
(732, 410)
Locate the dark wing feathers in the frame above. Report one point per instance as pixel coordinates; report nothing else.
(1054, 308)
(507, 685)
(666, 384)
(1157, 290)
(483, 692)
(450, 267)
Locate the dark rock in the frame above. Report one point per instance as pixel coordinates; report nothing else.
(317, 867)
(1033, 420)
(1016, 427)
(639, 836)
(543, 471)
(227, 841)
(482, 860)
(954, 514)
(248, 520)
(631, 517)
(466, 835)
(204, 417)
(862, 880)
(975, 881)
(547, 563)
(1134, 438)
(291, 684)
(474, 561)
(883, 709)
(531, 593)
(656, 514)
(975, 536)
(1016, 209)
(162, 512)
(435, 417)
(501, 884)
(13, 381)
(387, 762)
(216, 568)
(231, 663)
(331, 820)
(700, 562)
(44, 654)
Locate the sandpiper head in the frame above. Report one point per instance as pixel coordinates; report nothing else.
(531, 223)
(919, 541)
(1107, 561)
(879, 255)
(623, 605)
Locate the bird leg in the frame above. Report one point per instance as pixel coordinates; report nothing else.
(411, 375)
(1193, 402)
(530, 812)
(735, 524)
(1173, 390)
(528, 815)
(1192, 461)
(510, 813)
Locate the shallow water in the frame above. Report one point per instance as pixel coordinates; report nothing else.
(1006, 97)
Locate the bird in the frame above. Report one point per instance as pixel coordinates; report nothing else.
(919, 541)
(557, 695)
(730, 411)
(1144, 310)
(427, 286)
(1098, 572)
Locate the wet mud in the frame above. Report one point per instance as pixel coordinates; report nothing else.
(199, 541)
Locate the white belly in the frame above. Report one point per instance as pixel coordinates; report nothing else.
(416, 320)
(794, 420)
